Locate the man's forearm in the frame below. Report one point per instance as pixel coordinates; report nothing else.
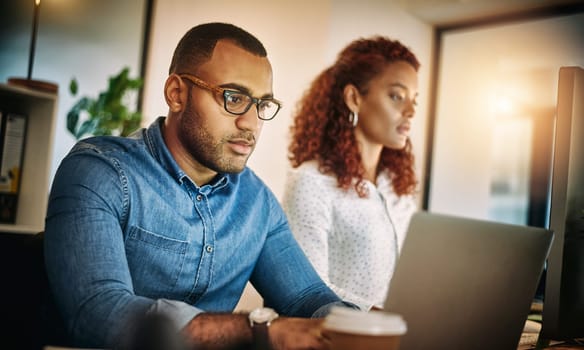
(218, 331)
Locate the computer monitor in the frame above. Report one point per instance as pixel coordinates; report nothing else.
(563, 306)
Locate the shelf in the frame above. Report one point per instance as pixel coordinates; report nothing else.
(40, 108)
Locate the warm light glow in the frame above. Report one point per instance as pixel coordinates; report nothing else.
(504, 105)
(511, 94)
(37, 2)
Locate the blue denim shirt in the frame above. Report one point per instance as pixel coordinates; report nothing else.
(128, 232)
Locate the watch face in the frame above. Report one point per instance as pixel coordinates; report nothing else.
(263, 315)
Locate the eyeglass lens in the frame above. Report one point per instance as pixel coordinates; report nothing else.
(239, 103)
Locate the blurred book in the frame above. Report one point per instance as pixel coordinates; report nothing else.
(12, 141)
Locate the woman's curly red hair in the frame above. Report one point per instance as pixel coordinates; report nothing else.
(322, 131)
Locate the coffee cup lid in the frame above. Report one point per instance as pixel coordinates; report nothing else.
(343, 319)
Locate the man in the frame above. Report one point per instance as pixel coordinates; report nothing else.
(171, 221)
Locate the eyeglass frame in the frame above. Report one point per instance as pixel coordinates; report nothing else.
(226, 92)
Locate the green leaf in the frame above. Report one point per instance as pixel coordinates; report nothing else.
(73, 115)
(87, 127)
(109, 113)
(72, 119)
(73, 87)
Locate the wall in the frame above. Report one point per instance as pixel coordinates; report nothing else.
(89, 40)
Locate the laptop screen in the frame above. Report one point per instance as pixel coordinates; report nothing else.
(464, 283)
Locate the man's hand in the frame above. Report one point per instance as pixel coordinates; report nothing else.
(209, 331)
(288, 333)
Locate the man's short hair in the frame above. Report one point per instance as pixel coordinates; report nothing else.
(197, 45)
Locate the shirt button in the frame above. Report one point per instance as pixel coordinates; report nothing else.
(209, 249)
(199, 197)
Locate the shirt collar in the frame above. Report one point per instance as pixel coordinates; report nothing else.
(158, 149)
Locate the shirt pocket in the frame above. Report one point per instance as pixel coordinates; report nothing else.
(155, 262)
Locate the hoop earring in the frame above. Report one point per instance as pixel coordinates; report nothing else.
(353, 118)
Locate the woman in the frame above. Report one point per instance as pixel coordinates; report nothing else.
(350, 194)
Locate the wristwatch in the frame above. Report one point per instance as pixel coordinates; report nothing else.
(259, 320)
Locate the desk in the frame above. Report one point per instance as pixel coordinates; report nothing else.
(531, 339)
(560, 346)
(533, 327)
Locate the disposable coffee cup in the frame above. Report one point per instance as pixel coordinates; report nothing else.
(349, 329)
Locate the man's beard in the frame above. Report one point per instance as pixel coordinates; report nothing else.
(206, 150)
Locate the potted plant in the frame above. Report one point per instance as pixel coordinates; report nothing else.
(108, 114)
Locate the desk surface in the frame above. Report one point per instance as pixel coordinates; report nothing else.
(533, 327)
(529, 340)
(558, 347)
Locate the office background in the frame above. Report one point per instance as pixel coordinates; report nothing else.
(93, 39)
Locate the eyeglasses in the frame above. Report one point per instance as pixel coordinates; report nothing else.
(237, 102)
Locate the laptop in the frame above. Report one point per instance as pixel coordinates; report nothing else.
(465, 283)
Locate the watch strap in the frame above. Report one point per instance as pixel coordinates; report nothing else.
(260, 320)
(261, 339)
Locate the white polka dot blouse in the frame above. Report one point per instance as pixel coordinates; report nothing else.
(352, 242)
